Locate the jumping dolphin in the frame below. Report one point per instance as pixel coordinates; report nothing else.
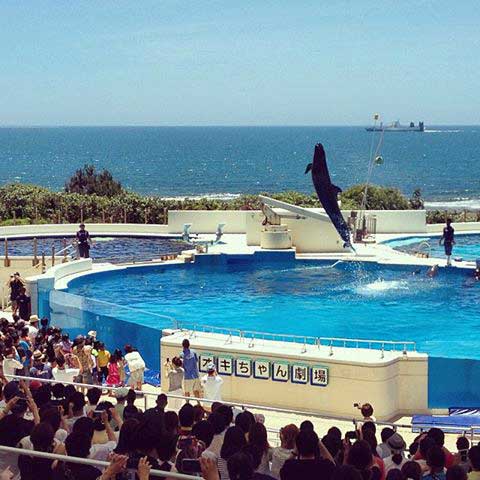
(327, 193)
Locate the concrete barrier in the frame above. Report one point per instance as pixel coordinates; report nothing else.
(206, 221)
(396, 384)
(94, 229)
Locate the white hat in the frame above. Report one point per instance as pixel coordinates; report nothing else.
(211, 367)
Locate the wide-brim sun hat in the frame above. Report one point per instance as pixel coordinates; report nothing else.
(34, 319)
(37, 355)
(396, 442)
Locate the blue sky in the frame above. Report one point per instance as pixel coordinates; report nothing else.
(243, 62)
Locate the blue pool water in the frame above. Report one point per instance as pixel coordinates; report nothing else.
(467, 246)
(111, 249)
(305, 298)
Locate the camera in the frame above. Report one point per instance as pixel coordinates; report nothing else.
(191, 465)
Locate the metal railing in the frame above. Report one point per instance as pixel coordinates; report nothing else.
(88, 461)
(471, 430)
(252, 336)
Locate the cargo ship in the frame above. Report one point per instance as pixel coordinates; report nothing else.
(397, 127)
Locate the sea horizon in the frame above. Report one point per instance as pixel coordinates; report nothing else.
(225, 161)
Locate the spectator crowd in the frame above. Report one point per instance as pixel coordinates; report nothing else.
(215, 441)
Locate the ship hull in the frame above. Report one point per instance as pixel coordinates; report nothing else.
(407, 129)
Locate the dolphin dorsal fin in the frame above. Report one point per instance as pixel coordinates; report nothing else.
(309, 167)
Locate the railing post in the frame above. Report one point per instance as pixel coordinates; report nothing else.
(14, 217)
(65, 259)
(81, 214)
(6, 261)
(103, 216)
(43, 262)
(35, 252)
(124, 214)
(53, 255)
(146, 214)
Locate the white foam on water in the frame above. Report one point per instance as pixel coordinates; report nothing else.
(442, 131)
(381, 286)
(208, 196)
(457, 203)
(103, 239)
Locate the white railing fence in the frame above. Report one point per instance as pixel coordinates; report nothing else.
(88, 461)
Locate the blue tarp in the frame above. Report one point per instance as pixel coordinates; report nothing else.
(461, 421)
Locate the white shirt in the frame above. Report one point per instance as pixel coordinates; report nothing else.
(135, 361)
(390, 465)
(65, 375)
(10, 365)
(212, 387)
(279, 456)
(32, 333)
(101, 451)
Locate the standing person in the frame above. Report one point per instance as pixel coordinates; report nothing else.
(84, 242)
(190, 365)
(102, 359)
(136, 365)
(121, 366)
(15, 284)
(397, 458)
(113, 377)
(33, 328)
(175, 374)
(63, 374)
(448, 240)
(212, 384)
(85, 358)
(24, 304)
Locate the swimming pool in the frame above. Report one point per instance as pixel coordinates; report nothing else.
(112, 249)
(467, 246)
(353, 300)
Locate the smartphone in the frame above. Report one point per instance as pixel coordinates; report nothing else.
(356, 405)
(191, 465)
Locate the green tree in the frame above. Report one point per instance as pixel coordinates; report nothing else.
(378, 198)
(87, 181)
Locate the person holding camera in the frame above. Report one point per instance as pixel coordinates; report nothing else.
(175, 373)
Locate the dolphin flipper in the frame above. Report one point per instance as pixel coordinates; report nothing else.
(336, 189)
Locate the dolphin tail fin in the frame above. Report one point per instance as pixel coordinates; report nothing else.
(309, 167)
(336, 189)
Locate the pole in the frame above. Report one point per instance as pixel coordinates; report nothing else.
(14, 217)
(43, 262)
(6, 261)
(53, 255)
(65, 260)
(146, 215)
(124, 214)
(81, 214)
(35, 251)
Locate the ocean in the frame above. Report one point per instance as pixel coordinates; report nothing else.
(226, 161)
